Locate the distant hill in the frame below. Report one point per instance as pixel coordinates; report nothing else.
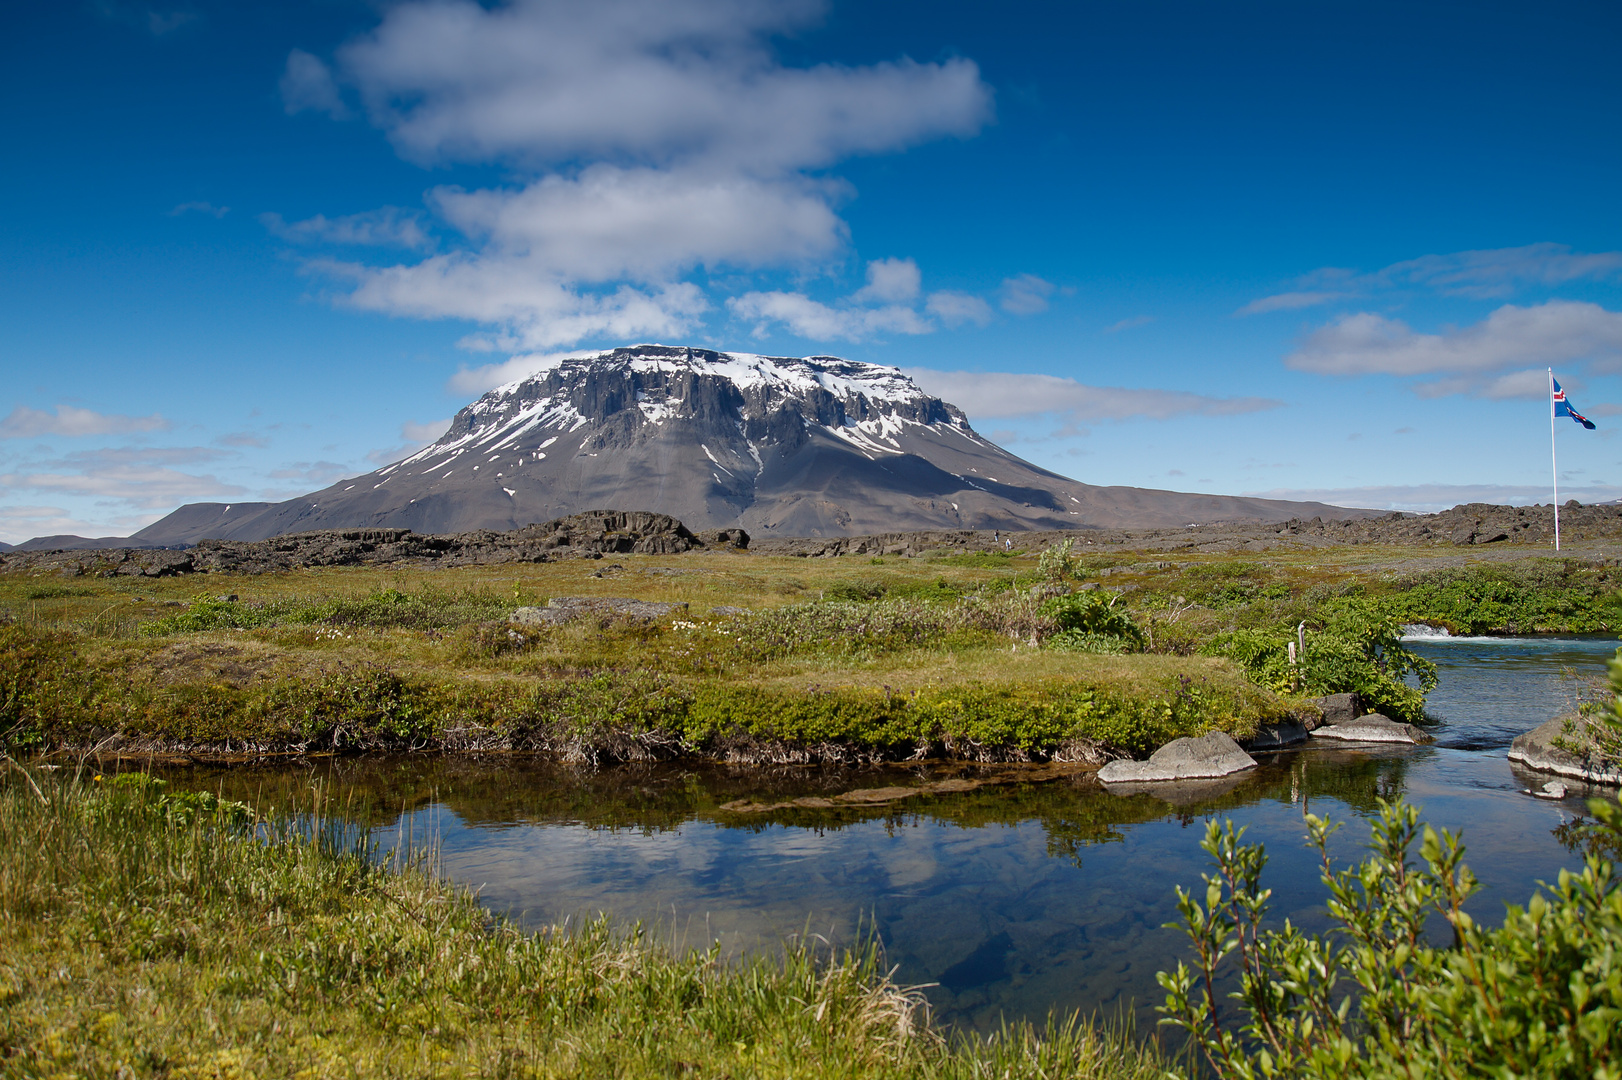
(815, 446)
(70, 542)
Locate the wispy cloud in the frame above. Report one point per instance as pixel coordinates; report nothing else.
(388, 226)
(1129, 324)
(1026, 294)
(955, 308)
(1482, 275)
(143, 486)
(1290, 301)
(200, 208)
(69, 420)
(1003, 395)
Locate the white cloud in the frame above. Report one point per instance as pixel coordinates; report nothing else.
(1026, 294)
(1431, 498)
(1530, 384)
(489, 376)
(890, 281)
(417, 435)
(543, 82)
(1559, 331)
(424, 433)
(957, 308)
(26, 423)
(648, 224)
(1000, 394)
(388, 226)
(535, 311)
(651, 138)
(817, 321)
(307, 84)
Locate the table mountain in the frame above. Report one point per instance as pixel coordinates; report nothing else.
(817, 446)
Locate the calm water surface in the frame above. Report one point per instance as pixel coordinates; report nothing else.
(1014, 899)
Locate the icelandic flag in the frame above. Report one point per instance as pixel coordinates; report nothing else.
(1562, 407)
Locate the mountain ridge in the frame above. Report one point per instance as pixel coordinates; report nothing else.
(781, 446)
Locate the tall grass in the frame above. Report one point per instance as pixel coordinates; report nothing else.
(138, 941)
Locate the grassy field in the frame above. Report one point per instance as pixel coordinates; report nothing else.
(983, 657)
(144, 934)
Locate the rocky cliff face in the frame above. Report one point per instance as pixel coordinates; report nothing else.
(780, 446)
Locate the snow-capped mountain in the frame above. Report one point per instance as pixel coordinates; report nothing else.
(817, 446)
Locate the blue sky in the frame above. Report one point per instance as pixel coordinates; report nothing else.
(1307, 250)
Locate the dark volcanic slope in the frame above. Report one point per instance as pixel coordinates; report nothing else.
(783, 447)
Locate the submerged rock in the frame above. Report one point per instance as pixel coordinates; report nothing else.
(1372, 727)
(1279, 735)
(1536, 750)
(1208, 756)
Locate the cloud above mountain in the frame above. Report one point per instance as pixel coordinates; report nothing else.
(647, 140)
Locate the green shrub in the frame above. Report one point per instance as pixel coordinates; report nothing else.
(1354, 648)
(1546, 596)
(1091, 621)
(1540, 996)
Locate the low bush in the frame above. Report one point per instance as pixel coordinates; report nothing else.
(1092, 621)
(1539, 996)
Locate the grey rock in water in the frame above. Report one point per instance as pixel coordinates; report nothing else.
(1536, 750)
(1208, 756)
(564, 609)
(1336, 709)
(1279, 735)
(1372, 727)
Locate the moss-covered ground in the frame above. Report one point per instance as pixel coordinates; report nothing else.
(981, 657)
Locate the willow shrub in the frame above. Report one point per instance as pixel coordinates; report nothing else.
(1353, 647)
(1539, 996)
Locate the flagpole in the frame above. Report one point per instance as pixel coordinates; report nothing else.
(1554, 464)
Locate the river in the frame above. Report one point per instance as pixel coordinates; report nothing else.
(1013, 899)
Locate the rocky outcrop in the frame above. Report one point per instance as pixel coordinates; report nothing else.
(592, 534)
(1536, 749)
(1374, 728)
(1206, 757)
